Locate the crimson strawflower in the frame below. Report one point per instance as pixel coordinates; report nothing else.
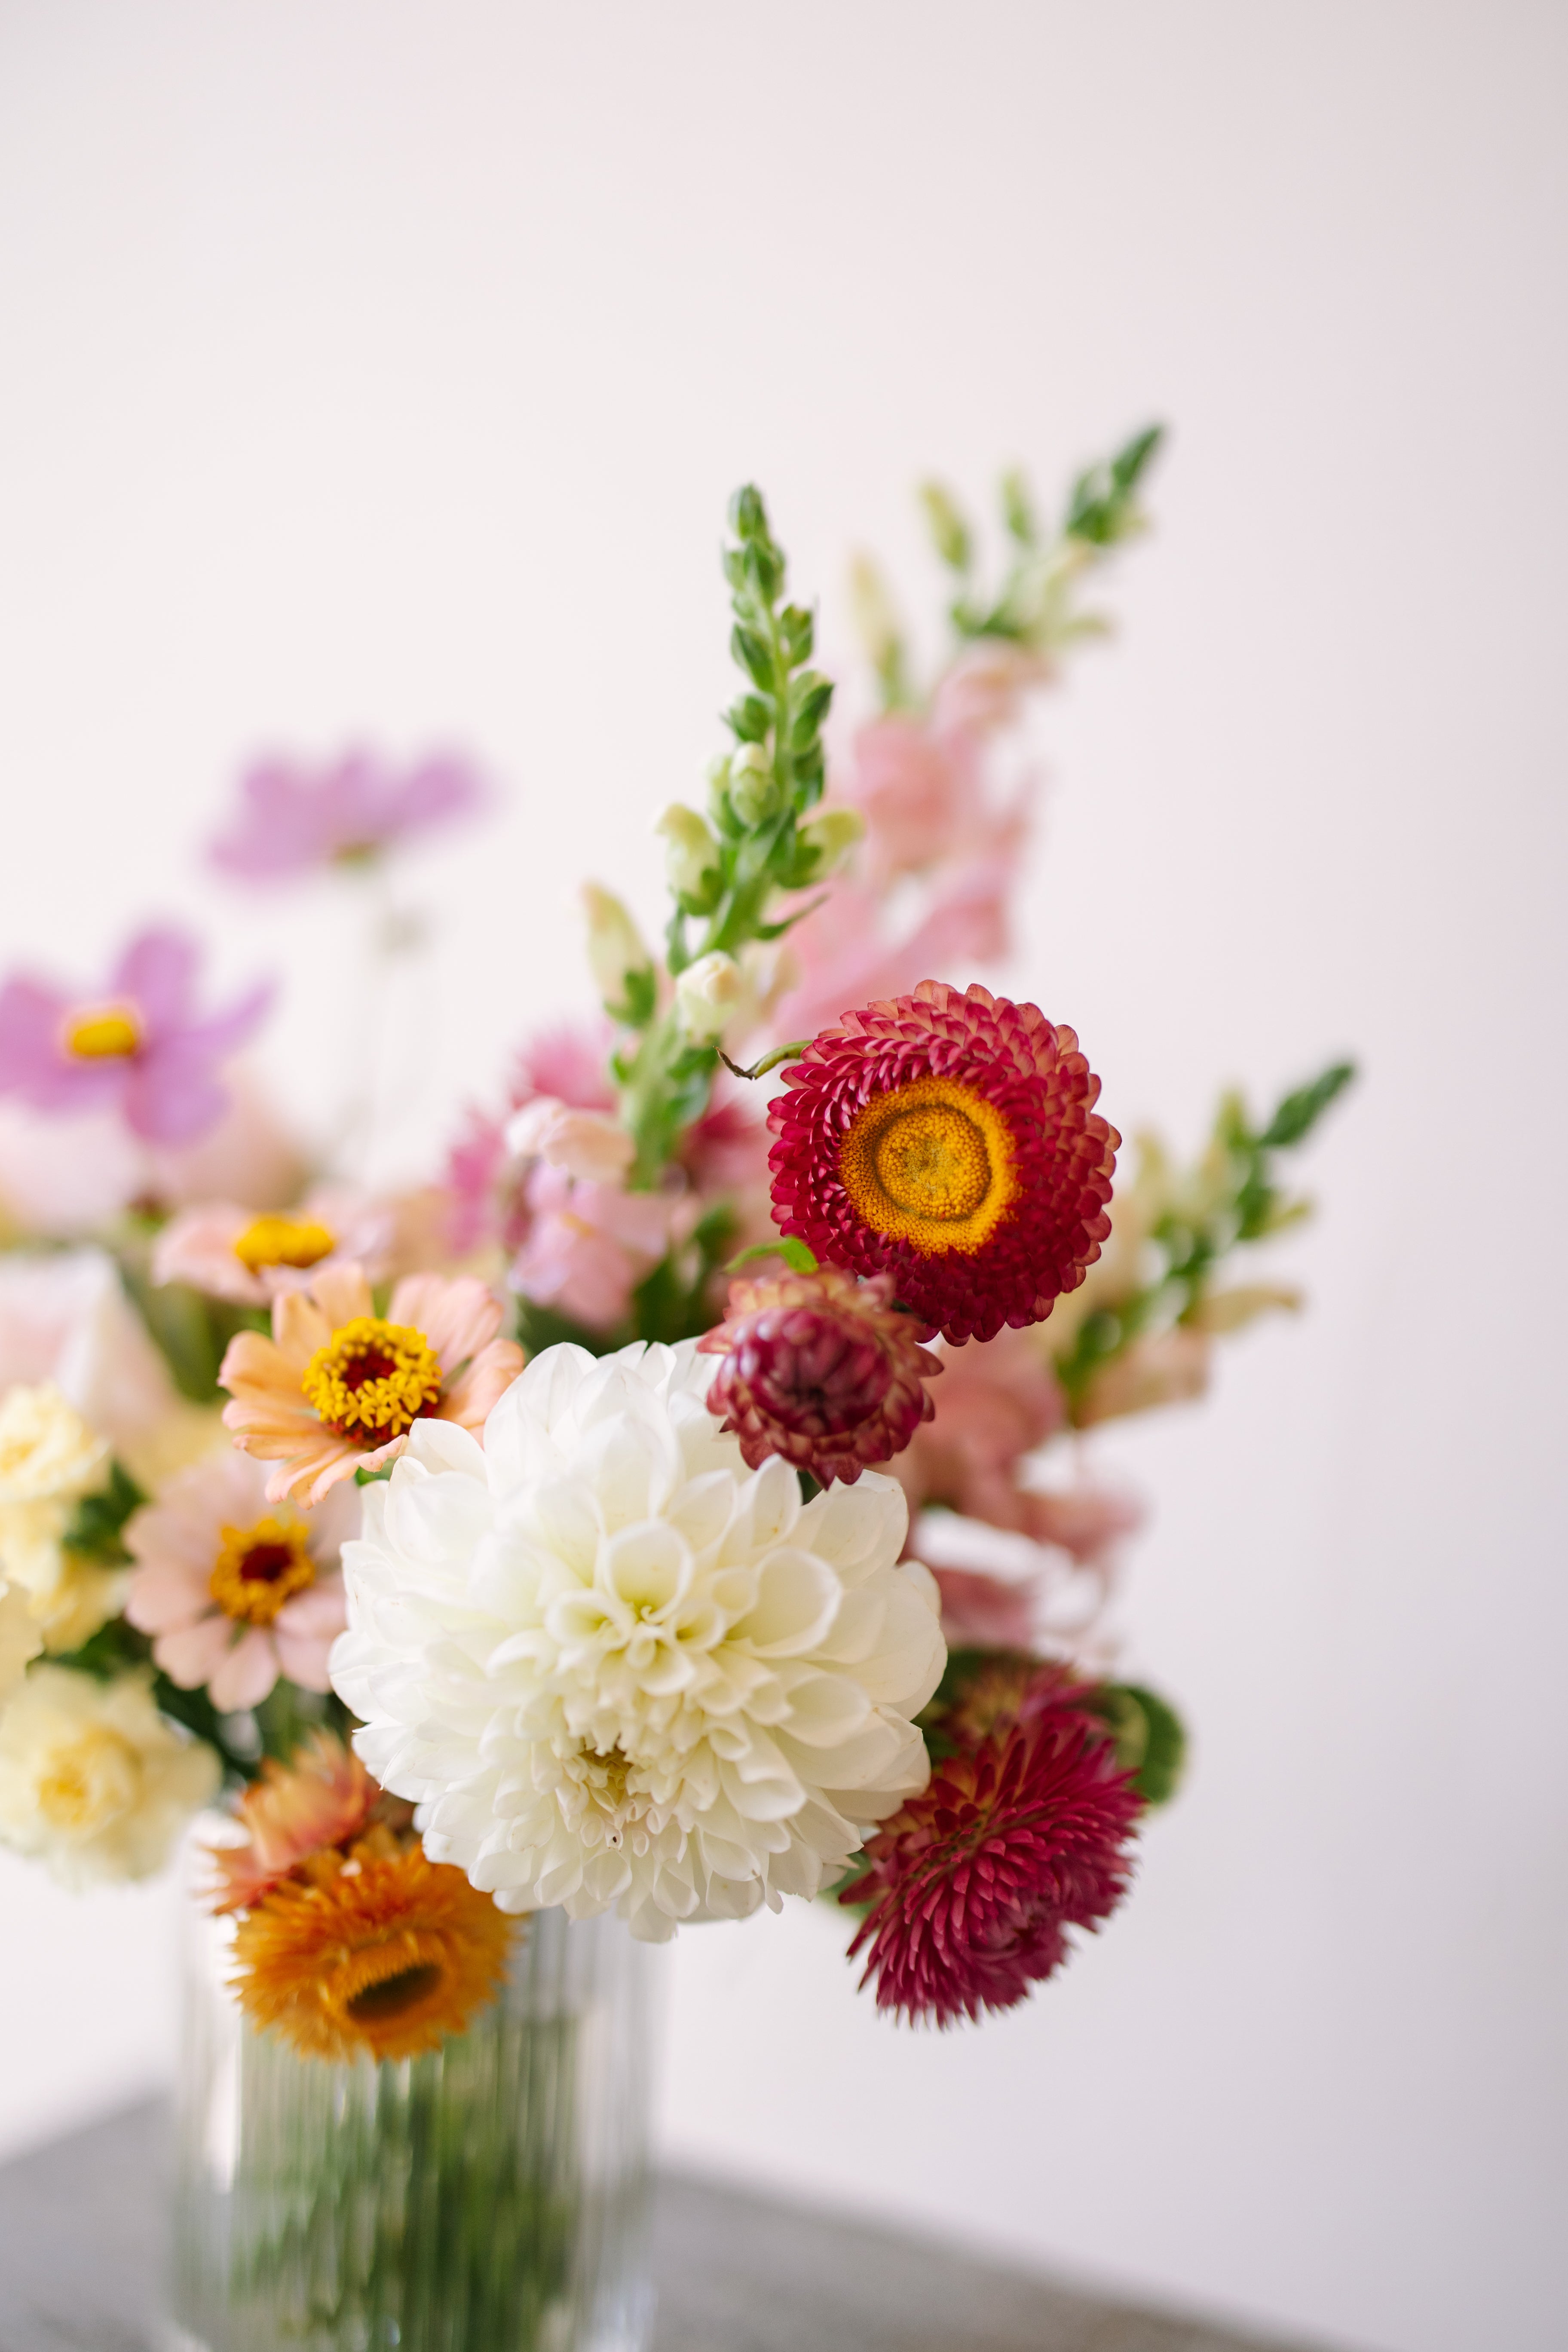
(820, 1369)
(973, 1884)
(950, 1142)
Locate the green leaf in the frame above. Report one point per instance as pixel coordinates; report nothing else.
(1300, 1111)
(1164, 1746)
(1129, 462)
(798, 630)
(1018, 509)
(793, 1252)
(95, 1525)
(752, 654)
(950, 532)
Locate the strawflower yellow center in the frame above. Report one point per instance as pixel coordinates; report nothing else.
(103, 1033)
(284, 1240)
(373, 1380)
(260, 1568)
(931, 1163)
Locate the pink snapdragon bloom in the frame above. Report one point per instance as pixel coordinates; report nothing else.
(985, 1613)
(294, 819)
(847, 959)
(921, 786)
(997, 1403)
(588, 1246)
(231, 1253)
(983, 692)
(235, 1589)
(134, 1047)
(485, 1185)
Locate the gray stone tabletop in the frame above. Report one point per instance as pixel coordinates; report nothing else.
(80, 2244)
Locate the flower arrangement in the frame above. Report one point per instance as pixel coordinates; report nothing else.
(682, 1501)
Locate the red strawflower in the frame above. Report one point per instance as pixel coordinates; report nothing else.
(949, 1141)
(822, 1369)
(974, 1883)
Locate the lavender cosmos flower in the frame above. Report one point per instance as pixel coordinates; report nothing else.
(295, 820)
(134, 1047)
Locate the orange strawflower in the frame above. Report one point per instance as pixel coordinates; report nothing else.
(380, 1951)
(323, 1797)
(338, 1387)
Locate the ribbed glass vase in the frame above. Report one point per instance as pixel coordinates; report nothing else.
(489, 2197)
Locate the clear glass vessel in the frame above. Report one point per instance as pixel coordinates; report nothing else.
(489, 2197)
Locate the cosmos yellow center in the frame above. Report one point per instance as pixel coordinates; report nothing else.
(103, 1033)
(931, 1163)
(373, 1379)
(260, 1568)
(284, 1240)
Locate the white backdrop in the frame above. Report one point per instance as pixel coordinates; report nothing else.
(375, 367)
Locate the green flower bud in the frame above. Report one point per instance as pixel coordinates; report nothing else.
(754, 793)
(621, 965)
(691, 856)
(830, 838)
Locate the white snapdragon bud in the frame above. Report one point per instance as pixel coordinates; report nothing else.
(753, 794)
(710, 994)
(691, 853)
(831, 836)
(586, 1143)
(617, 956)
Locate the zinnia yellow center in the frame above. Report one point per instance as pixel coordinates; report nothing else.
(103, 1033)
(373, 1380)
(931, 1163)
(284, 1240)
(260, 1568)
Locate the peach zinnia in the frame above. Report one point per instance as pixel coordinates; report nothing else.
(338, 1387)
(950, 1141)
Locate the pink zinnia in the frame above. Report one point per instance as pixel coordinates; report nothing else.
(974, 1883)
(134, 1047)
(294, 819)
(237, 1590)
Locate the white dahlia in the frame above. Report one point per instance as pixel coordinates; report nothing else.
(612, 1667)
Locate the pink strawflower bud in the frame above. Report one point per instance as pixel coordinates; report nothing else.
(821, 1370)
(973, 1884)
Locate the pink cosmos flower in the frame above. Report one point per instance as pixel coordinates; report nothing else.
(235, 1589)
(588, 1246)
(135, 1046)
(295, 819)
(231, 1253)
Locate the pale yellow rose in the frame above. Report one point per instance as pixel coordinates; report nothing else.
(93, 1781)
(49, 1458)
